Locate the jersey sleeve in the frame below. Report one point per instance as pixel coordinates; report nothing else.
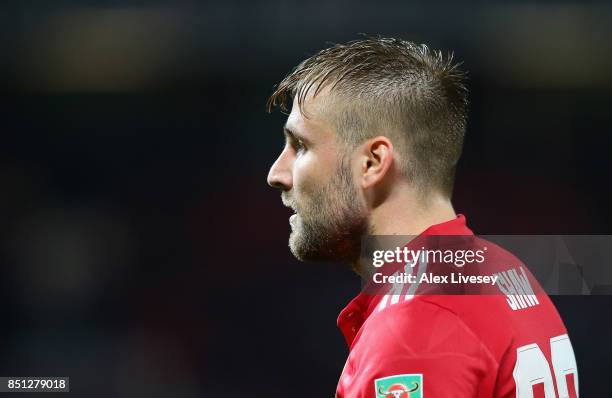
(418, 347)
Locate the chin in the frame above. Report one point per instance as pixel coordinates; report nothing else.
(310, 254)
(296, 249)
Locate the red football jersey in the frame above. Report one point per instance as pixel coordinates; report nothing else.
(509, 344)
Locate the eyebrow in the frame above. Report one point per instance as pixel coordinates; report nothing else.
(290, 134)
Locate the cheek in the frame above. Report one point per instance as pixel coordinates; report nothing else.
(306, 172)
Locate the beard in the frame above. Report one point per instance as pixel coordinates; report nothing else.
(331, 222)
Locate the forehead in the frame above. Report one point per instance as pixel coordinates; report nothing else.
(313, 117)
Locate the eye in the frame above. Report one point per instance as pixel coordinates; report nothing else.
(298, 145)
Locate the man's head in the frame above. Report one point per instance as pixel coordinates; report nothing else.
(366, 116)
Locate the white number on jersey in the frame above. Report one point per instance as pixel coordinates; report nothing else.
(532, 368)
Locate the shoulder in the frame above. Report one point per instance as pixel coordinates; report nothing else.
(424, 338)
(420, 327)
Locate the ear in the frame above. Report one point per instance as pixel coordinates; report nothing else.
(377, 159)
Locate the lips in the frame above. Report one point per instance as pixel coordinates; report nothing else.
(291, 205)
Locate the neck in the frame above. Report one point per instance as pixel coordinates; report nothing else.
(406, 213)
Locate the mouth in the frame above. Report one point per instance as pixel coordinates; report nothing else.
(292, 218)
(290, 203)
(291, 206)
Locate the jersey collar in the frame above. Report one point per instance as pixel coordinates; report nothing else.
(352, 317)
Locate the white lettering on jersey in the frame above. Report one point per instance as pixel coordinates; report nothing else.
(515, 285)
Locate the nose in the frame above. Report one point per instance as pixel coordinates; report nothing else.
(280, 175)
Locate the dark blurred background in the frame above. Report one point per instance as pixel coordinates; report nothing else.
(143, 253)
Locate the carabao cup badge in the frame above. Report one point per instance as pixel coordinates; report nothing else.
(399, 386)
